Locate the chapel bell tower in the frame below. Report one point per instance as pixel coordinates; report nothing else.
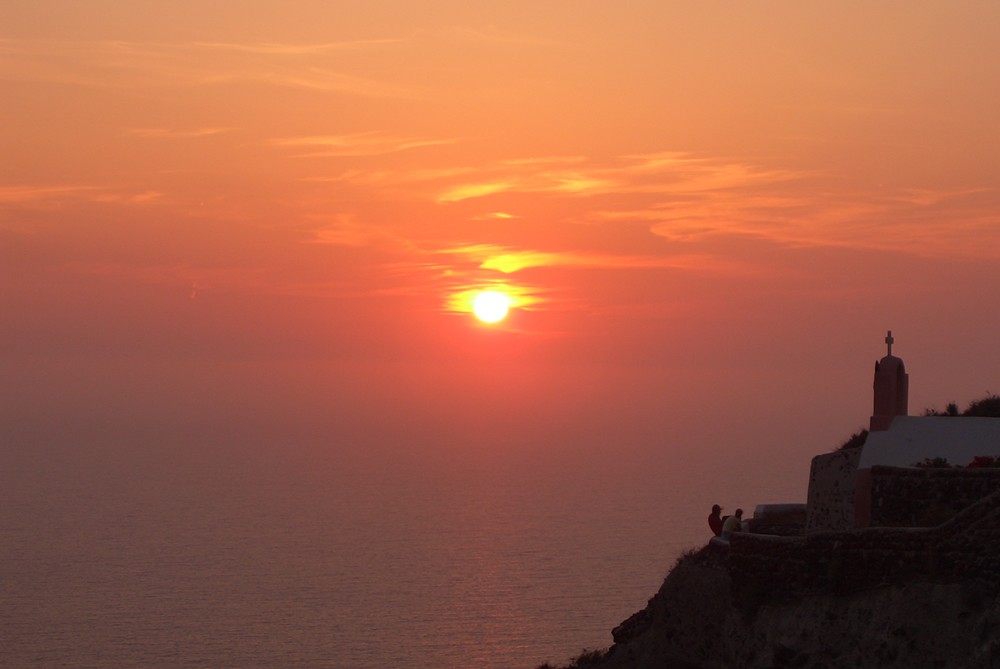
(892, 385)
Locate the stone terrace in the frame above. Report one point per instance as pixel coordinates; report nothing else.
(964, 547)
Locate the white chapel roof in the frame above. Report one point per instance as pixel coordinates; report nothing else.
(912, 439)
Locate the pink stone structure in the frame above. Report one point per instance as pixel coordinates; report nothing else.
(892, 385)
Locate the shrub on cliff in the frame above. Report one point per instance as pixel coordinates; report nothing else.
(588, 657)
(933, 463)
(987, 407)
(856, 440)
(983, 462)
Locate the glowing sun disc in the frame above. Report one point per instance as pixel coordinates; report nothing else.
(490, 306)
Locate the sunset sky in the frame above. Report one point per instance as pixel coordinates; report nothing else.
(261, 220)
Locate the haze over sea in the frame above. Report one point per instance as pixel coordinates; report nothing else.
(249, 415)
(146, 555)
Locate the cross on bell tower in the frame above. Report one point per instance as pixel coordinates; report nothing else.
(892, 388)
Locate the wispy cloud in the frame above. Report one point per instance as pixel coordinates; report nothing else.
(384, 177)
(344, 230)
(357, 144)
(171, 133)
(41, 194)
(495, 216)
(287, 49)
(569, 183)
(482, 189)
(30, 193)
(130, 65)
(963, 223)
(129, 198)
(509, 260)
(654, 173)
(205, 281)
(688, 199)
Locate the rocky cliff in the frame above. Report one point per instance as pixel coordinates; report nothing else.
(862, 599)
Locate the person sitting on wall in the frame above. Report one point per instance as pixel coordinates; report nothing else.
(734, 523)
(715, 520)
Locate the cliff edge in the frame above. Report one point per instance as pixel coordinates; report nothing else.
(856, 599)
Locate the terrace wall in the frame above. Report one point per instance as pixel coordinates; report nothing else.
(831, 490)
(961, 548)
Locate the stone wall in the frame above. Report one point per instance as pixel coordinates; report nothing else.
(962, 548)
(780, 519)
(831, 490)
(908, 497)
(900, 496)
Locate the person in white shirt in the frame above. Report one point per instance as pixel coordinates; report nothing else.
(733, 523)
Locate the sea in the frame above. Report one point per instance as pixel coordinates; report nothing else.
(290, 555)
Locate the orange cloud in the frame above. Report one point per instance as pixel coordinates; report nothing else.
(18, 194)
(129, 198)
(495, 215)
(509, 261)
(574, 183)
(358, 144)
(282, 49)
(468, 191)
(344, 230)
(670, 172)
(166, 133)
(126, 64)
(29, 194)
(686, 199)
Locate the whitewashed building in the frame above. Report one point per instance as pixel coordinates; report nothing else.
(880, 482)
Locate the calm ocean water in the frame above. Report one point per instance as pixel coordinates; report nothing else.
(290, 557)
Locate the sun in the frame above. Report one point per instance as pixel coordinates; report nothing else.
(490, 306)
